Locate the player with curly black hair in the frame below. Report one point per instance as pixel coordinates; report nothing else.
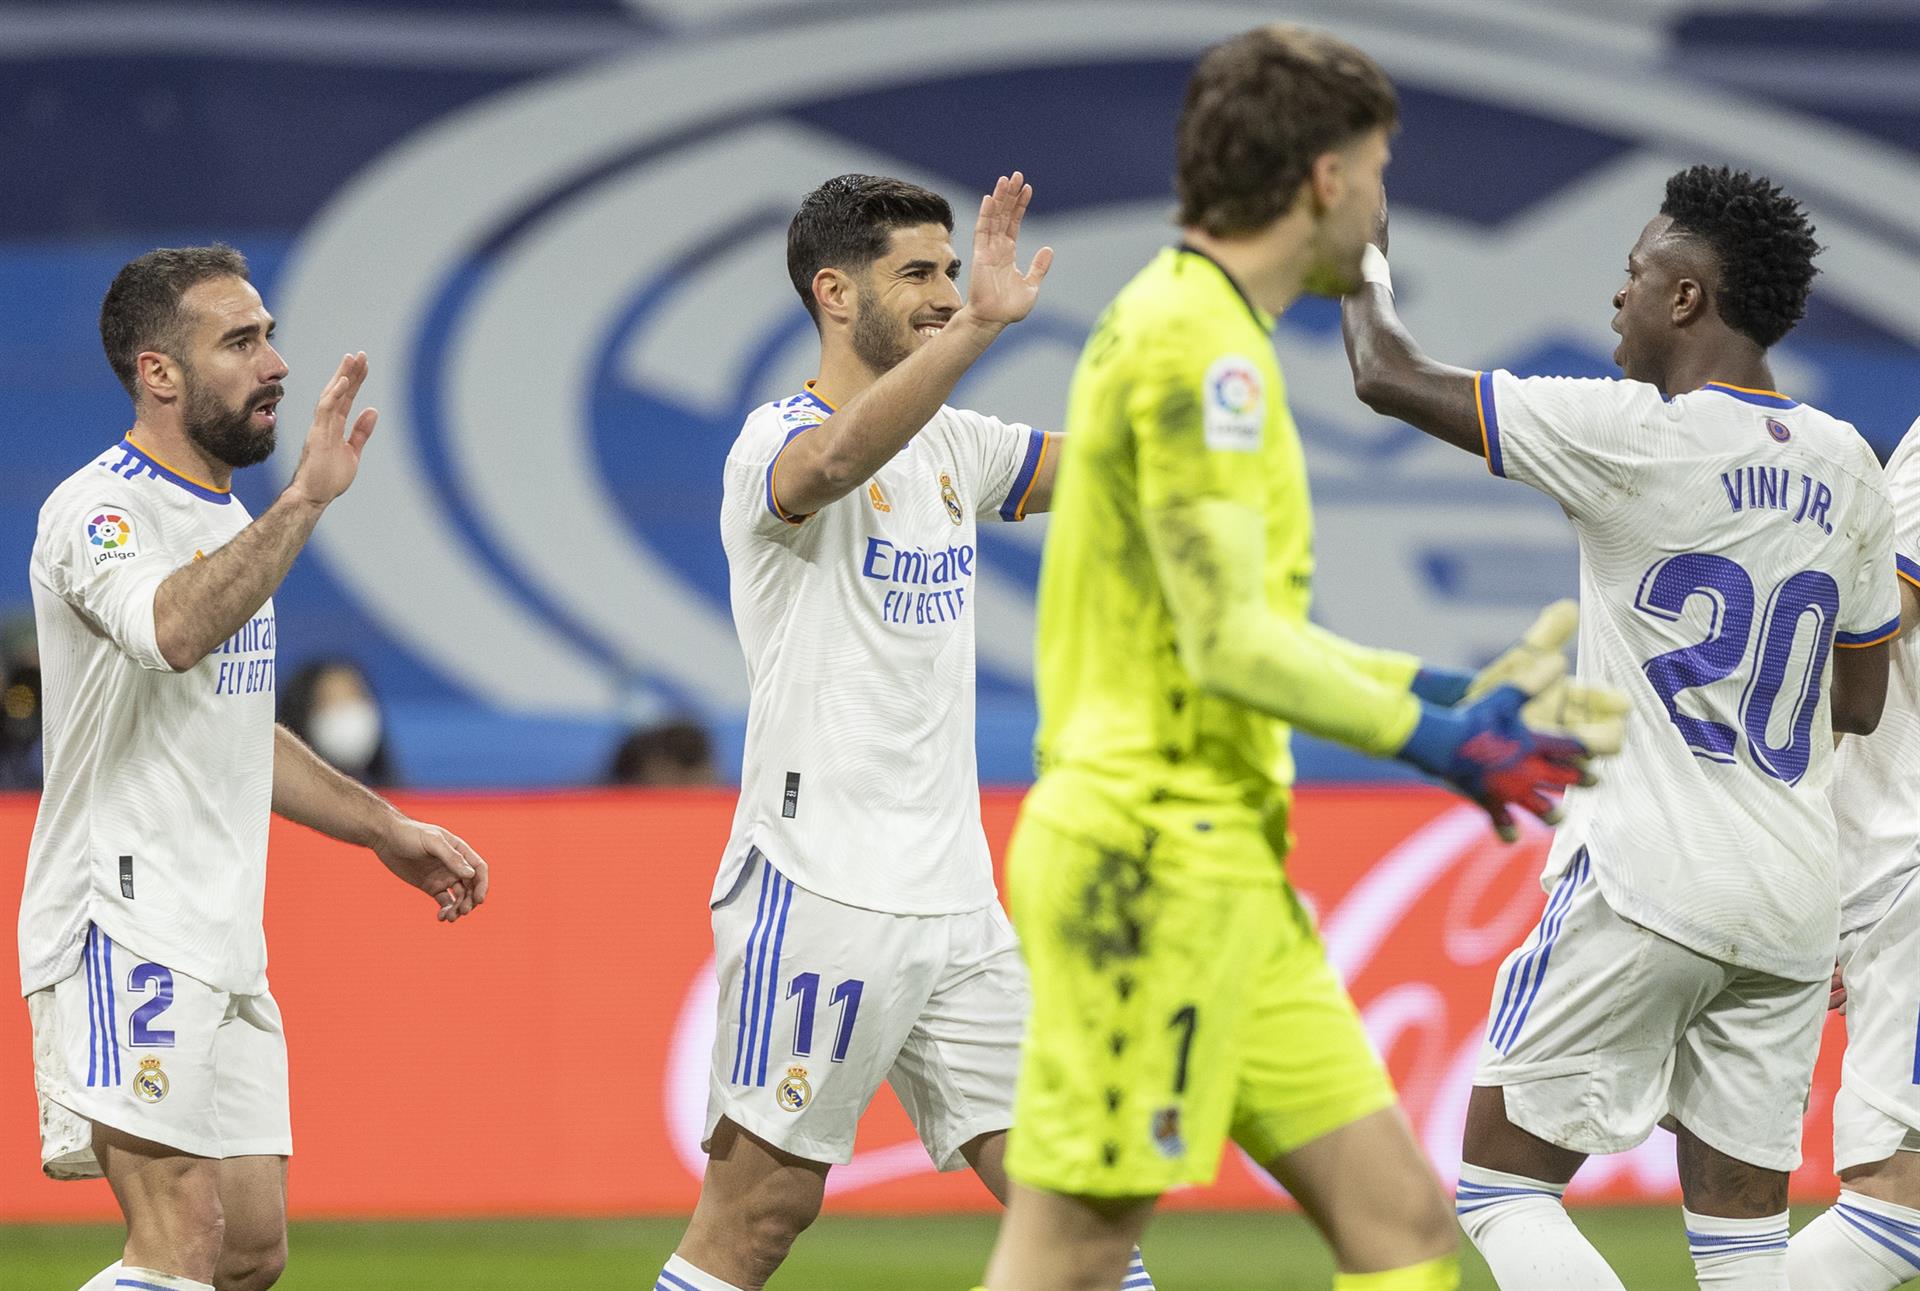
(1762, 245)
(1734, 543)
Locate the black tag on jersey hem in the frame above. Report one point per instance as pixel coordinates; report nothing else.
(126, 877)
(790, 805)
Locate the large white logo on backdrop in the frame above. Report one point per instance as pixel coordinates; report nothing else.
(573, 613)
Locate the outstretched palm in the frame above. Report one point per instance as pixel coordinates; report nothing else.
(997, 292)
(331, 456)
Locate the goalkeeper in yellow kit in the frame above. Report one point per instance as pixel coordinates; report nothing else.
(1181, 994)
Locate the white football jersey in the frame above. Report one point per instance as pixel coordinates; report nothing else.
(1875, 799)
(859, 779)
(153, 821)
(1729, 540)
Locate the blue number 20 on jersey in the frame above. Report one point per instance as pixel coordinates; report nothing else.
(1733, 644)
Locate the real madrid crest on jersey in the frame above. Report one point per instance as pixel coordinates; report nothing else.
(793, 1093)
(150, 1084)
(1778, 429)
(951, 497)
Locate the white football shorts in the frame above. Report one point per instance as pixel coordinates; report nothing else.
(819, 1002)
(1877, 1111)
(1601, 1028)
(134, 1045)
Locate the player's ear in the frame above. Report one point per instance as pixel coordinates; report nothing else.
(1689, 301)
(157, 375)
(836, 294)
(1327, 181)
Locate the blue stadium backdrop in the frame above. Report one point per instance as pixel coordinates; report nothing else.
(557, 230)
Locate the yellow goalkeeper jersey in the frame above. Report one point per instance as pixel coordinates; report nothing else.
(1174, 651)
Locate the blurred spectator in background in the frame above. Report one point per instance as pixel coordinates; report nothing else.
(19, 705)
(677, 752)
(330, 704)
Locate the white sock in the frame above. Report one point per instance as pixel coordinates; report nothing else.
(103, 1280)
(682, 1276)
(1525, 1235)
(1738, 1254)
(128, 1279)
(1862, 1244)
(1136, 1278)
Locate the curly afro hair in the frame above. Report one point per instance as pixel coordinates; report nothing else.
(1762, 240)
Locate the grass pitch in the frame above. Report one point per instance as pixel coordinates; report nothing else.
(1185, 1252)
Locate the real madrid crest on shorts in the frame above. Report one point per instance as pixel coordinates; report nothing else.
(793, 1092)
(150, 1083)
(952, 498)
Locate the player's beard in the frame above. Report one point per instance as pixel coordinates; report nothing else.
(1331, 281)
(881, 341)
(228, 434)
(1335, 275)
(1334, 270)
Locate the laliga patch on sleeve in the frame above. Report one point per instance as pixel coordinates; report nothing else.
(793, 418)
(110, 536)
(1235, 405)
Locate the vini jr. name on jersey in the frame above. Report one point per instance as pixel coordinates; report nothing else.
(1772, 488)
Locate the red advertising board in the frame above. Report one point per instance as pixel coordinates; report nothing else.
(548, 1057)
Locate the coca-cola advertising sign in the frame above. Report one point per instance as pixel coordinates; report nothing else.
(575, 1011)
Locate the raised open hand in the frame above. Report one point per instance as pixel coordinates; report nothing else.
(997, 292)
(331, 456)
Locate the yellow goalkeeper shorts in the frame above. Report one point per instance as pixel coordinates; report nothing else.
(1169, 1012)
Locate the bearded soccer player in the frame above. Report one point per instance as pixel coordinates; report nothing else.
(857, 934)
(1737, 583)
(158, 1051)
(1181, 994)
(1870, 1239)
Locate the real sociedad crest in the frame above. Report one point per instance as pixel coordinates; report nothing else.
(574, 291)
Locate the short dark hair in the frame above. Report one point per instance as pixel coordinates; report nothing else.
(1259, 108)
(680, 743)
(1761, 239)
(142, 308)
(846, 224)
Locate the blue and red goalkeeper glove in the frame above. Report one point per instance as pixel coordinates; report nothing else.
(1443, 686)
(1486, 752)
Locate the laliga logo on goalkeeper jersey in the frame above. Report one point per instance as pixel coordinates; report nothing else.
(600, 255)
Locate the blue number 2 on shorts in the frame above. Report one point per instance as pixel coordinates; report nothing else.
(141, 1032)
(1664, 593)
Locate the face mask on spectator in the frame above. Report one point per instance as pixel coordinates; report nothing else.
(346, 734)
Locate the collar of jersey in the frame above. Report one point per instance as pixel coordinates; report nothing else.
(824, 406)
(1765, 398)
(1265, 320)
(199, 488)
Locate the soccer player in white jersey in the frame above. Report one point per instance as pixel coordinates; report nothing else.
(1870, 1239)
(1735, 558)
(158, 1052)
(857, 934)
